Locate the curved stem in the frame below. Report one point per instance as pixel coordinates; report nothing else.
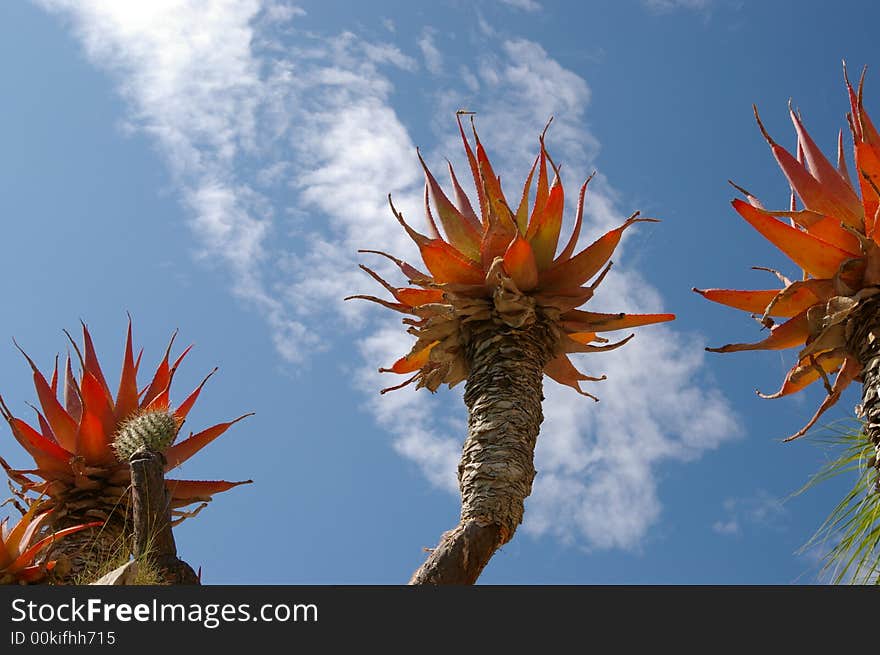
(503, 395)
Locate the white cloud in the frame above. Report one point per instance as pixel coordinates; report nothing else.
(759, 509)
(662, 6)
(433, 57)
(243, 119)
(730, 527)
(193, 83)
(277, 12)
(470, 80)
(524, 5)
(386, 53)
(410, 415)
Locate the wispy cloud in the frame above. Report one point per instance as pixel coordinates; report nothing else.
(284, 151)
(192, 82)
(433, 57)
(760, 509)
(524, 5)
(663, 6)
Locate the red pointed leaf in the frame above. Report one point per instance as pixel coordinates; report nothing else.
(446, 264)
(184, 408)
(829, 177)
(585, 337)
(847, 373)
(161, 378)
(807, 371)
(542, 192)
(793, 332)
(92, 442)
(816, 257)
(63, 425)
(96, 403)
(127, 395)
(826, 228)
(598, 322)
(396, 306)
(17, 540)
(47, 454)
(519, 262)
(561, 370)
(161, 402)
(782, 302)
(568, 251)
(475, 172)
(72, 400)
(27, 557)
(463, 202)
(815, 196)
(45, 428)
(868, 173)
(580, 268)
(184, 492)
(413, 274)
(841, 160)
(412, 362)
(53, 384)
(522, 211)
(91, 362)
(419, 297)
(545, 236)
(459, 231)
(748, 301)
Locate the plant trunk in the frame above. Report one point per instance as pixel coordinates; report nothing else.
(84, 554)
(864, 341)
(151, 519)
(503, 394)
(136, 521)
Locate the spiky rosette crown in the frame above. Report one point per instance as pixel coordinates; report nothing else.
(22, 545)
(834, 241)
(502, 265)
(73, 447)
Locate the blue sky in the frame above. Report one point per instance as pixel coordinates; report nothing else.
(214, 167)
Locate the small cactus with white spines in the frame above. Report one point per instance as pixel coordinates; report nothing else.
(153, 430)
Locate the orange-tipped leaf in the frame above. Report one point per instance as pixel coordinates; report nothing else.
(818, 258)
(519, 262)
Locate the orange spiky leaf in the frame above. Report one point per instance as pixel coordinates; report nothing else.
(63, 426)
(811, 192)
(583, 266)
(127, 394)
(818, 258)
(459, 231)
(544, 239)
(792, 332)
(520, 264)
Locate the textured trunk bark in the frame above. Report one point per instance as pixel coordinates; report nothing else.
(85, 553)
(503, 395)
(865, 342)
(151, 519)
